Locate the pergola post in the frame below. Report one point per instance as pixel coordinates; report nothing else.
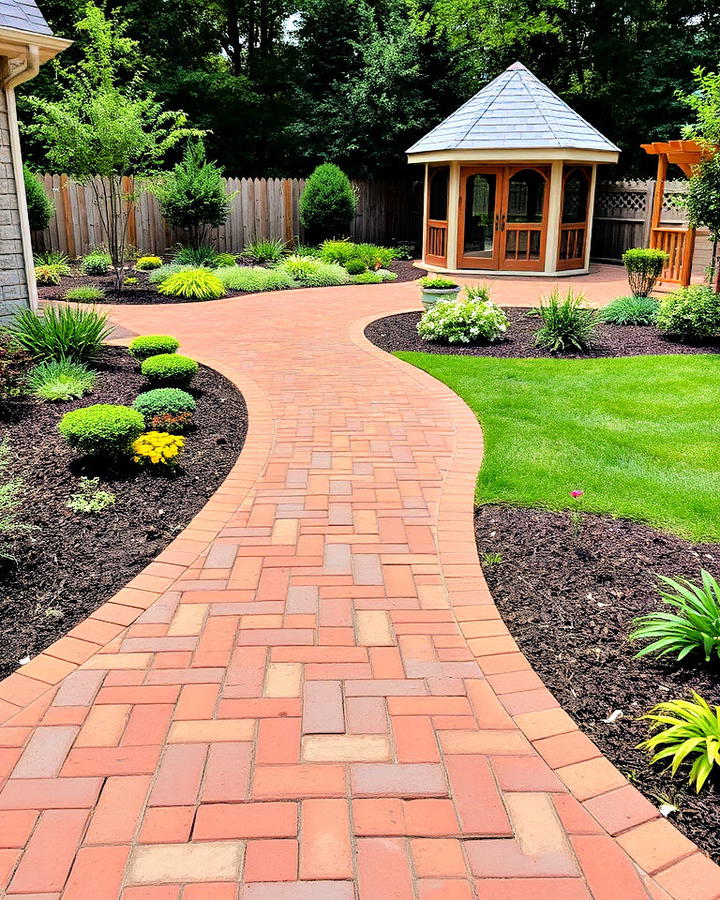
(452, 214)
(552, 242)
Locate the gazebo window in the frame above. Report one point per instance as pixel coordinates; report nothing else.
(526, 197)
(575, 198)
(438, 201)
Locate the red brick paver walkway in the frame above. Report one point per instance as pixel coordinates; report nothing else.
(310, 695)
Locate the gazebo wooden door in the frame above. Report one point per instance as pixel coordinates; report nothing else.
(503, 217)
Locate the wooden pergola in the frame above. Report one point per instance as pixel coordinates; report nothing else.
(677, 241)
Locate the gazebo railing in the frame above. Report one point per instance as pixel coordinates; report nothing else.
(678, 244)
(572, 245)
(436, 249)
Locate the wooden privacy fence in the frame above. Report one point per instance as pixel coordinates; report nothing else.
(261, 208)
(623, 211)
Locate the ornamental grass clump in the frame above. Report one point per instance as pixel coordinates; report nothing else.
(104, 430)
(253, 279)
(265, 251)
(84, 294)
(47, 276)
(691, 313)
(60, 379)
(56, 259)
(169, 370)
(193, 284)
(644, 267)
(694, 626)
(692, 732)
(147, 263)
(205, 255)
(630, 311)
(463, 322)
(157, 276)
(151, 344)
(567, 325)
(60, 332)
(157, 448)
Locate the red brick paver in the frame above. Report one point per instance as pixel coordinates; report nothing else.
(310, 695)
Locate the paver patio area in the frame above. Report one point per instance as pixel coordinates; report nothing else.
(310, 695)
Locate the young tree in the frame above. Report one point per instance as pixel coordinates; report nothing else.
(328, 203)
(192, 197)
(105, 130)
(40, 207)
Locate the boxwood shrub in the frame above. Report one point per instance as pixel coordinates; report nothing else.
(164, 400)
(102, 430)
(169, 369)
(151, 344)
(691, 313)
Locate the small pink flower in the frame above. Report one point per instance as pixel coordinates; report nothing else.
(576, 494)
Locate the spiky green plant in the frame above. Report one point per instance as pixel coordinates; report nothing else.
(566, 324)
(60, 332)
(692, 732)
(56, 259)
(193, 284)
(204, 255)
(635, 310)
(265, 251)
(694, 627)
(60, 379)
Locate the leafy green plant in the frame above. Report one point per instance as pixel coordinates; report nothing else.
(386, 274)
(192, 196)
(374, 256)
(96, 263)
(130, 280)
(703, 208)
(328, 203)
(338, 251)
(89, 498)
(193, 284)
(166, 409)
(104, 127)
(366, 278)
(39, 206)
(265, 251)
(60, 379)
(151, 344)
(692, 732)
(254, 279)
(477, 292)
(327, 275)
(55, 259)
(463, 322)
(306, 250)
(566, 324)
(635, 310)
(10, 505)
(204, 255)
(644, 268)
(355, 266)
(147, 263)
(60, 332)
(438, 283)
(691, 313)
(84, 294)
(157, 276)
(694, 627)
(47, 276)
(105, 429)
(301, 267)
(225, 259)
(169, 369)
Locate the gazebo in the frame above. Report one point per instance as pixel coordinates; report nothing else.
(510, 182)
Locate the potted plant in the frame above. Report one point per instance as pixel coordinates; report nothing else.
(436, 288)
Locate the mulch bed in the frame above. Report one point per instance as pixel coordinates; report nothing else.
(399, 332)
(569, 603)
(144, 293)
(70, 563)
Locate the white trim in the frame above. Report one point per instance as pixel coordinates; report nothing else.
(501, 273)
(516, 154)
(14, 43)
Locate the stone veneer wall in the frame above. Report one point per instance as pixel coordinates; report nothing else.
(13, 280)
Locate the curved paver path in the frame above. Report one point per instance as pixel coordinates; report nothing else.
(310, 695)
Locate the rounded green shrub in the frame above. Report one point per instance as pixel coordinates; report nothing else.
(102, 430)
(692, 313)
(355, 266)
(169, 369)
(146, 263)
(254, 278)
(84, 294)
(151, 344)
(328, 203)
(39, 206)
(644, 267)
(366, 278)
(328, 275)
(96, 263)
(386, 274)
(193, 284)
(164, 400)
(463, 322)
(225, 259)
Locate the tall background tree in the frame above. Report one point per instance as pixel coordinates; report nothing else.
(282, 85)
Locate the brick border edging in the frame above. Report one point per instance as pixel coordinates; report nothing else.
(35, 681)
(672, 865)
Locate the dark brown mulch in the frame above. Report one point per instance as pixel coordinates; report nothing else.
(569, 602)
(399, 332)
(70, 562)
(144, 293)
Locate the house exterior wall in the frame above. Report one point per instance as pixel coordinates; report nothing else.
(14, 291)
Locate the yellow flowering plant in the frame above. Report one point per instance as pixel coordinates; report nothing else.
(157, 448)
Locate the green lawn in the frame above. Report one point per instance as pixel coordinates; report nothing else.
(640, 435)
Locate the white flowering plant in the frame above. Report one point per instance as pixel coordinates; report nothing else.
(471, 321)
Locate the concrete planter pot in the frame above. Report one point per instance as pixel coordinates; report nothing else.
(430, 296)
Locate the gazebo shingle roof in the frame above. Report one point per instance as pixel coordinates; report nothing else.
(23, 15)
(516, 110)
